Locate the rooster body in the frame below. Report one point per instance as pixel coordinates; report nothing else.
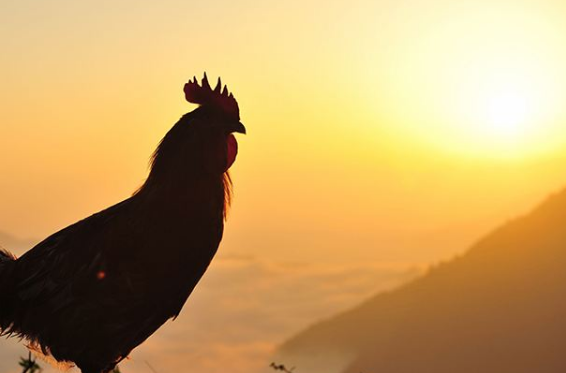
(95, 290)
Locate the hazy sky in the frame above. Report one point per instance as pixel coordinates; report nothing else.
(378, 130)
(381, 134)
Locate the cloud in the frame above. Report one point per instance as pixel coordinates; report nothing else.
(243, 308)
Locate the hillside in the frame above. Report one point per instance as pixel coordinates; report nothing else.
(499, 308)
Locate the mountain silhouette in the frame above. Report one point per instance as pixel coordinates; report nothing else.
(501, 307)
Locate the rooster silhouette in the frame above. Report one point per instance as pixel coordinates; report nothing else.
(95, 290)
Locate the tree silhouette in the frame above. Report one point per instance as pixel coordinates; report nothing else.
(281, 367)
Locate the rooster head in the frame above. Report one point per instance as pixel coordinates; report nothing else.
(217, 117)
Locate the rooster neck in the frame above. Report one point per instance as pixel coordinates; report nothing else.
(183, 175)
(202, 196)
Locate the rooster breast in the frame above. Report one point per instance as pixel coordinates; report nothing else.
(95, 290)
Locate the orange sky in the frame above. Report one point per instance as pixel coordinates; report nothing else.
(382, 135)
(378, 130)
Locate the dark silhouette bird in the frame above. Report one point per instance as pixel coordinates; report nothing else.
(95, 290)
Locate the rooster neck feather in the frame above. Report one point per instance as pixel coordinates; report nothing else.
(176, 174)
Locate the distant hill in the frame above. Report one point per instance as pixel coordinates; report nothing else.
(500, 308)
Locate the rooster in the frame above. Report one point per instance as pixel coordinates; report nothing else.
(92, 292)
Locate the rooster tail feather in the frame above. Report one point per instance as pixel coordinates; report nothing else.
(7, 260)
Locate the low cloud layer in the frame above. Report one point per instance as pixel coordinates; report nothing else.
(243, 309)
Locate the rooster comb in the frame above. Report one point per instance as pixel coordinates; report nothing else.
(217, 98)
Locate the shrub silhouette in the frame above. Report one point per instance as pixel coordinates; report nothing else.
(29, 365)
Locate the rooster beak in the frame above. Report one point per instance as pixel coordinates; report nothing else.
(238, 127)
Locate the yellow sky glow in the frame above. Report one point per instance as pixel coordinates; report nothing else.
(481, 80)
(368, 121)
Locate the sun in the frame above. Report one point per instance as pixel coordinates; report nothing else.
(504, 116)
(508, 115)
(485, 83)
(506, 112)
(508, 107)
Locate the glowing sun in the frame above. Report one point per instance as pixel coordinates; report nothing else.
(486, 83)
(507, 114)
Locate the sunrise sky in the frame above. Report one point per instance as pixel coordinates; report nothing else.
(383, 132)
